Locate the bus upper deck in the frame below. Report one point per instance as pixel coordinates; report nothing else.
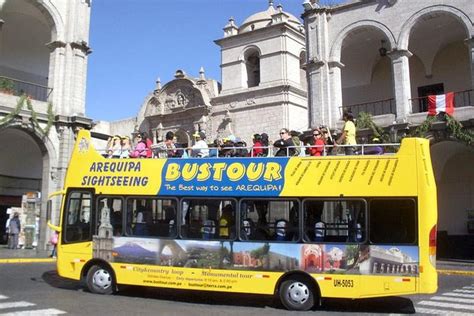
(381, 175)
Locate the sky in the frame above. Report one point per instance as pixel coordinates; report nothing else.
(134, 42)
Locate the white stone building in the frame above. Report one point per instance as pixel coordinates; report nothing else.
(384, 57)
(43, 53)
(263, 86)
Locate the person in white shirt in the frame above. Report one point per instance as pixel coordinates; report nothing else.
(200, 148)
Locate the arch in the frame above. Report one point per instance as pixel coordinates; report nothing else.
(335, 53)
(251, 58)
(248, 48)
(53, 17)
(48, 172)
(404, 37)
(183, 137)
(45, 145)
(452, 166)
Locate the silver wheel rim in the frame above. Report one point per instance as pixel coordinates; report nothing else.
(102, 279)
(298, 293)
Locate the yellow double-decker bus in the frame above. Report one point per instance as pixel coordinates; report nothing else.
(300, 228)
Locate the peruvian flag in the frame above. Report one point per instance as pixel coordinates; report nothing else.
(441, 103)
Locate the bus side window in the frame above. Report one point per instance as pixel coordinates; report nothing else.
(208, 219)
(274, 220)
(393, 221)
(77, 223)
(334, 221)
(315, 227)
(151, 217)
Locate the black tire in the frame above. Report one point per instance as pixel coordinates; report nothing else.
(100, 280)
(297, 294)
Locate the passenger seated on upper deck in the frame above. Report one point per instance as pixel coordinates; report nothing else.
(374, 150)
(200, 148)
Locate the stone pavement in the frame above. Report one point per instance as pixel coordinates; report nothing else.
(445, 266)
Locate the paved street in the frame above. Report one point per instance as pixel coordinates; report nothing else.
(35, 289)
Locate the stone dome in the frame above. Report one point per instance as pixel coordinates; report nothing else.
(264, 18)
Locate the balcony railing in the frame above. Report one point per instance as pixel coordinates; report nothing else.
(379, 107)
(19, 87)
(461, 99)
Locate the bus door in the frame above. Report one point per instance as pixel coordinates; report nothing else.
(75, 248)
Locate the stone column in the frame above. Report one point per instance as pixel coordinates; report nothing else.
(56, 72)
(316, 28)
(335, 111)
(470, 44)
(316, 97)
(78, 64)
(401, 82)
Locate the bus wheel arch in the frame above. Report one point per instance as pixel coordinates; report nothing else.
(297, 283)
(99, 277)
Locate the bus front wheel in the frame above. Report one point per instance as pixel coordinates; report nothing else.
(296, 294)
(100, 280)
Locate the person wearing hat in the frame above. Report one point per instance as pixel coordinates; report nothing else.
(374, 150)
(200, 148)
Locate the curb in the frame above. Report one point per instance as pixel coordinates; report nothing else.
(27, 260)
(456, 272)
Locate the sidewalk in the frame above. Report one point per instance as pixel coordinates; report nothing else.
(444, 266)
(455, 267)
(24, 255)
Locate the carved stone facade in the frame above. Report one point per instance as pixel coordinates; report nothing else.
(182, 105)
(263, 86)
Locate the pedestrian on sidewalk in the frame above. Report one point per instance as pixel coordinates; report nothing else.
(14, 228)
(54, 242)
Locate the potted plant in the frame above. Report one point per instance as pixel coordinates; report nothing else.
(7, 86)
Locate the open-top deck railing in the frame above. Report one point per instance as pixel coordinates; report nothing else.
(461, 99)
(328, 150)
(20, 87)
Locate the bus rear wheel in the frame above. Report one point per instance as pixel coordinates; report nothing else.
(100, 280)
(296, 294)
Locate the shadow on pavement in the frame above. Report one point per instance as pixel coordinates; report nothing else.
(386, 305)
(382, 305)
(53, 279)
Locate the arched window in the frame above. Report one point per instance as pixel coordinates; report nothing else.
(252, 64)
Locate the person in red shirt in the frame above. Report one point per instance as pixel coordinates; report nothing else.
(257, 149)
(317, 147)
